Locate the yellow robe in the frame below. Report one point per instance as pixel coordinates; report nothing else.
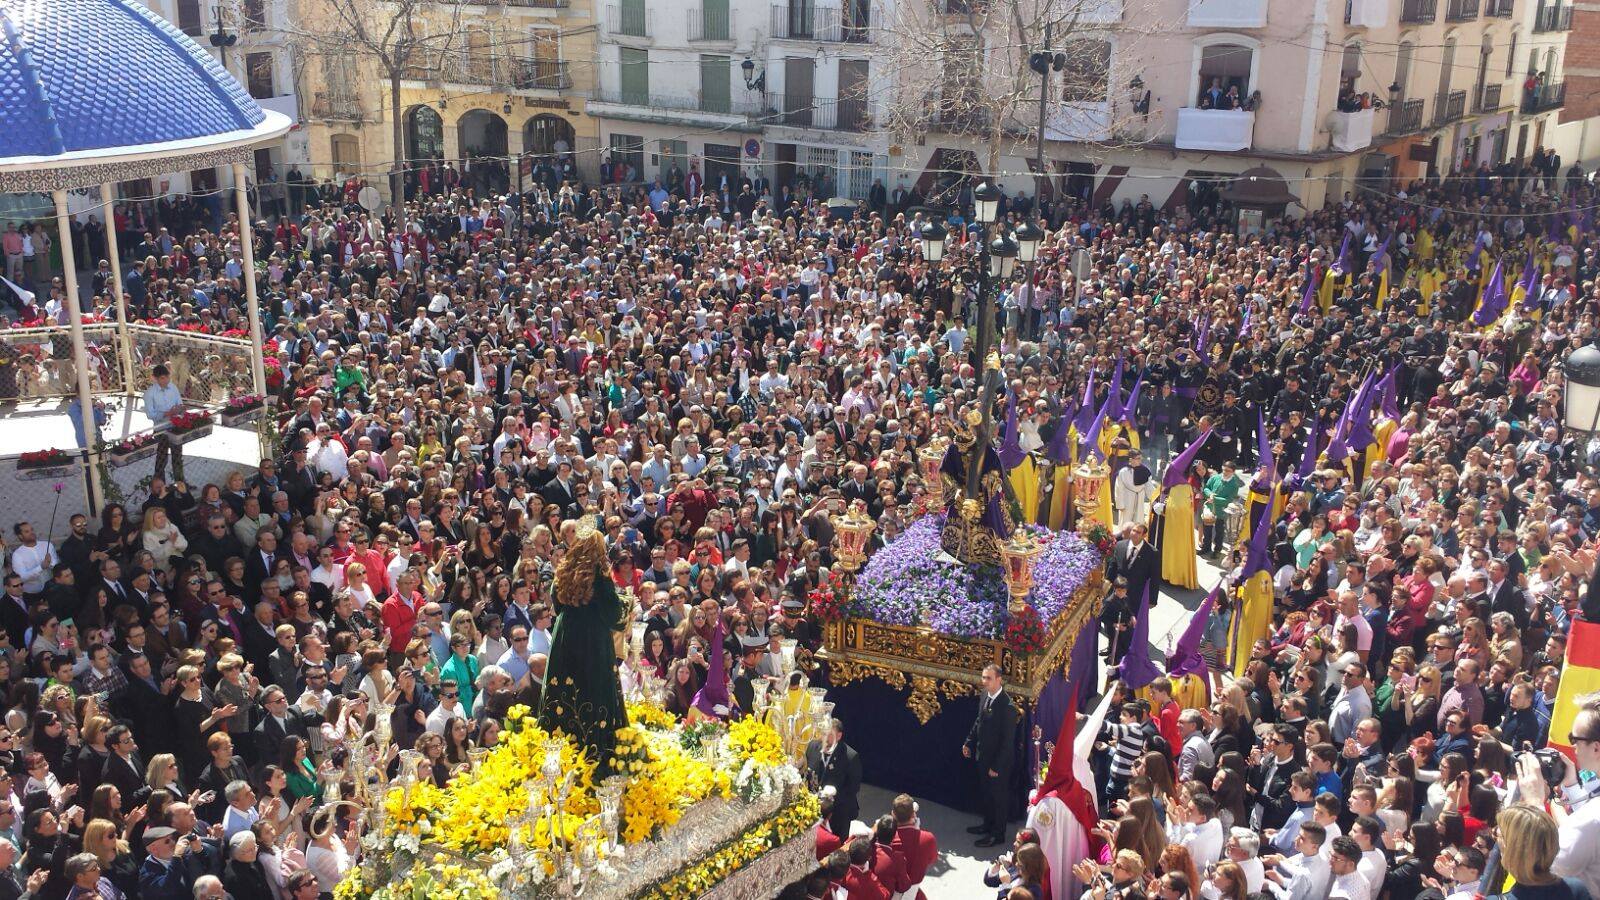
(1190, 692)
(1424, 244)
(1177, 538)
(1060, 497)
(1025, 484)
(1257, 494)
(1382, 430)
(1252, 622)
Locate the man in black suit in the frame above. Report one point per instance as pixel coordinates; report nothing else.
(14, 613)
(123, 767)
(992, 744)
(147, 706)
(1136, 560)
(258, 565)
(832, 763)
(559, 491)
(1267, 780)
(281, 721)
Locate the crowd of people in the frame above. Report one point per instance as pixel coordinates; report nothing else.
(714, 373)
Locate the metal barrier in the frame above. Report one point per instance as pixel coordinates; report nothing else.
(207, 368)
(37, 362)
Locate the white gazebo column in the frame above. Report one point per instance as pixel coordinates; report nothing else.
(80, 352)
(258, 369)
(124, 336)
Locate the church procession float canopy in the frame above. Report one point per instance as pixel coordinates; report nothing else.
(97, 92)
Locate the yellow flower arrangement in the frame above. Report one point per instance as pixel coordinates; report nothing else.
(697, 879)
(750, 739)
(473, 816)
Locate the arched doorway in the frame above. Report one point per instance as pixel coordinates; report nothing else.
(548, 142)
(424, 149)
(482, 138)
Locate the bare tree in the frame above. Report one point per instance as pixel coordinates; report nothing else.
(978, 69)
(400, 39)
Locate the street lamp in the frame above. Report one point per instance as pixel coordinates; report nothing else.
(986, 197)
(1002, 256)
(1029, 236)
(1583, 390)
(933, 237)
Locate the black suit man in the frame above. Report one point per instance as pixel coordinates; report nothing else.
(280, 722)
(832, 763)
(992, 744)
(1136, 560)
(123, 767)
(1268, 781)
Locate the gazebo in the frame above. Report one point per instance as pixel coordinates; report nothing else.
(97, 92)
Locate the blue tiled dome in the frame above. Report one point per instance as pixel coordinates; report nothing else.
(87, 75)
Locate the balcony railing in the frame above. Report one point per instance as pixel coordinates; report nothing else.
(629, 21)
(1366, 13)
(693, 101)
(1486, 98)
(1500, 9)
(1405, 117)
(1227, 13)
(1214, 129)
(336, 107)
(710, 24)
(1547, 96)
(1419, 12)
(1552, 18)
(804, 22)
(1449, 107)
(1352, 131)
(1462, 10)
(542, 75)
(850, 114)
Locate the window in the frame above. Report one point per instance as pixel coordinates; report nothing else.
(255, 14)
(1224, 69)
(346, 152)
(962, 65)
(635, 76)
(673, 153)
(1511, 56)
(863, 169)
(258, 75)
(627, 154)
(715, 84)
(1088, 72)
(189, 20)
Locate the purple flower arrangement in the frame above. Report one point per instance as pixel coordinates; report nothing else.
(913, 582)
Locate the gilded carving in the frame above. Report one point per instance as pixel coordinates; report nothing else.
(924, 699)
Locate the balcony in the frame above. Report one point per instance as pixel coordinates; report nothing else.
(1552, 18)
(710, 24)
(824, 113)
(1352, 131)
(1406, 117)
(1486, 99)
(629, 21)
(1449, 107)
(670, 103)
(1366, 13)
(955, 108)
(1500, 9)
(1462, 10)
(1228, 14)
(542, 75)
(1214, 129)
(1419, 12)
(336, 107)
(1545, 97)
(1079, 120)
(850, 25)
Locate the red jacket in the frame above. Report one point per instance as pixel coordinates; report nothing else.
(889, 865)
(827, 842)
(861, 884)
(920, 849)
(1167, 724)
(400, 616)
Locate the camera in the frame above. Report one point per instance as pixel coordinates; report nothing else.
(1552, 766)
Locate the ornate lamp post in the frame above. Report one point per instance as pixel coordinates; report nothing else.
(934, 236)
(1019, 553)
(851, 532)
(1088, 480)
(929, 461)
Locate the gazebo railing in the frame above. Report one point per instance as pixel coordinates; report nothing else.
(207, 368)
(37, 363)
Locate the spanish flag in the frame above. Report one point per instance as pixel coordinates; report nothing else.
(1579, 678)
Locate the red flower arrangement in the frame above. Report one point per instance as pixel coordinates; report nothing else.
(191, 327)
(827, 601)
(236, 333)
(41, 459)
(1100, 536)
(188, 421)
(274, 373)
(1024, 632)
(243, 402)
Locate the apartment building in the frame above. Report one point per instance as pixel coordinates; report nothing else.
(1336, 91)
(735, 88)
(505, 82)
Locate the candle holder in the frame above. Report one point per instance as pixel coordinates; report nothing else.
(1019, 554)
(1088, 480)
(851, 532)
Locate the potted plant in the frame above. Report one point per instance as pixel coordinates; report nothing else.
(131, 449)
(191, 425)
(242, 409)
(52, 463)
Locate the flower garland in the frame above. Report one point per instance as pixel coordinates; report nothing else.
(739, 852)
